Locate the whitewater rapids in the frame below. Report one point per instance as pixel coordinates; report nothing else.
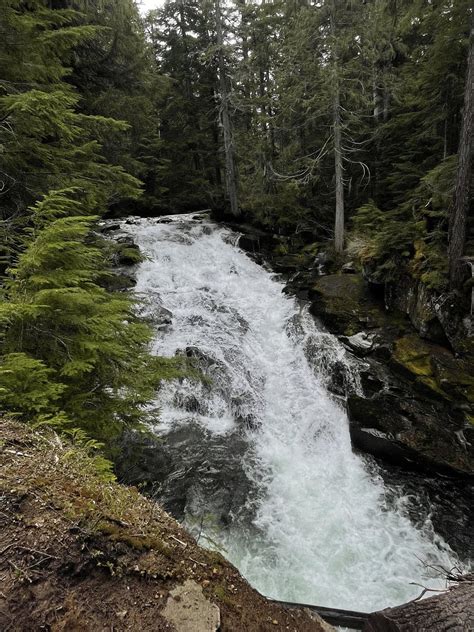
(317, 527)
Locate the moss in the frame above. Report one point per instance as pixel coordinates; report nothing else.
(223, 595)
(411, 353)
(312, 249)
(344, 302)
(132, 255)
(434, 367)
(141, 542)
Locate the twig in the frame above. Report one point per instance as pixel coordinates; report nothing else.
(25, 548)
(424, 591)
(20, 570)
(180, 541)
(6, 548)
(196, 562)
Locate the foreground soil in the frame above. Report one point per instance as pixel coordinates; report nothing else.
(80, 552)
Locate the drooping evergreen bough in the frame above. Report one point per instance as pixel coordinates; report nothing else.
(72, 353)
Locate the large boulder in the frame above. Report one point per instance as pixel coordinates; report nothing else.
(436, 368)
(345, 304)
(401, 428)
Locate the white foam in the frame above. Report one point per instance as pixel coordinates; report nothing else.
(322, 533)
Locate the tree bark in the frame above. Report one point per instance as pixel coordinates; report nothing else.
(338, 168)
(459, 213)
(231, 172)
(452, 610)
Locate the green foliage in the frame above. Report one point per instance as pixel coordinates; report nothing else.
(73, 355)
(382, 241)
(412, 238)
(27, 385)
(87, 345)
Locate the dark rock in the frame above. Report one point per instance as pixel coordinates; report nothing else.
(371, 384)
(108, 228)
(435, 368)
(321, 262)
(414, 299)
(119, 282)
(440, 319)
(344, 303)
(190, 402)
(126, 240)
(404, 430)
(444, 501)
(162, 318)
(361, 343)
(129, 256)
(190, 471)
(252, 239)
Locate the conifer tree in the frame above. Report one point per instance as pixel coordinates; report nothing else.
(82, 347)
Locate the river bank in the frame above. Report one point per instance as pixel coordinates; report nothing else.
(78, 552)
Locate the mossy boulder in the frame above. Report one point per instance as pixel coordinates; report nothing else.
(435, 367)
(346, 305)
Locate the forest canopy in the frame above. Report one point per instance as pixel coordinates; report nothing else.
(346, 123)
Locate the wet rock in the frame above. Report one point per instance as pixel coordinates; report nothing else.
(405, 430)
(371, 384)
(444, 501)
(344, 303)
(190, 471)
(434, 367)
(361, 343)
(120, 282)
(349, 268)
(190, 402)
(252, 239)
(162, 318)
(109, 228)
(127, 252)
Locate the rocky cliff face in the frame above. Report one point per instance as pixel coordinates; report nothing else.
(420, 404)
(417, 402)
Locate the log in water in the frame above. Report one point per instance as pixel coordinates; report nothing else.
(260, 454)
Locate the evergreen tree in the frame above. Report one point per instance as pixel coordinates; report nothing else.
(70, 351)
(84, 348)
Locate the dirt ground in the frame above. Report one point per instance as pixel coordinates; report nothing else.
(81, 553)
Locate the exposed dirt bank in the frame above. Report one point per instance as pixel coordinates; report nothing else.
(78, 552)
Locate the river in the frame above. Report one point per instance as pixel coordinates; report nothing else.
(257, 458)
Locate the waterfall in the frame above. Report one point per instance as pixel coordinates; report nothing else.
(300, 514)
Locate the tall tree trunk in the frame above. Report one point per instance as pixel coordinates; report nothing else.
(231, 172)
(339, 221)
(338, 168)
(458, 217)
